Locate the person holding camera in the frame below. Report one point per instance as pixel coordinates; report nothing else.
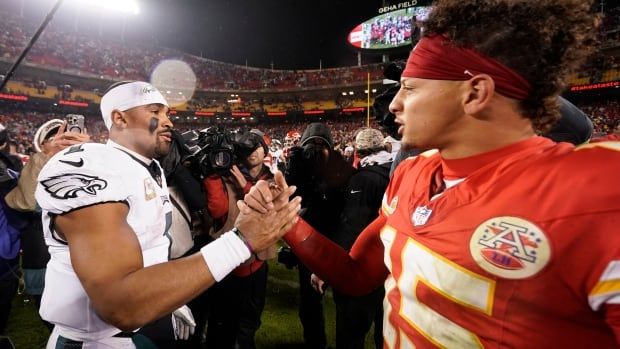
(321, 175)
(237, 302)
(106, 216)
(49, 139)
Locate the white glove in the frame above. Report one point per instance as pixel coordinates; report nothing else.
(183, 323)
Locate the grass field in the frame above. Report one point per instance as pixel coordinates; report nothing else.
(280, 325)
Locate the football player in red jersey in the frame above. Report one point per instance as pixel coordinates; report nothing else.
(498, 238)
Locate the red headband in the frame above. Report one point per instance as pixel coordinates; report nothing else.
(436, 59)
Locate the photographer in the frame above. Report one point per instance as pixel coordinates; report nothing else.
(321, 175)
(238, 300)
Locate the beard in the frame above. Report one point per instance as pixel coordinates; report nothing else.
(162, 149)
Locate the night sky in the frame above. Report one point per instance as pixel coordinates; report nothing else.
(290, 33)
(293, 34)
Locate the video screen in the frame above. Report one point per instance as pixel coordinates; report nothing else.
(388, 30)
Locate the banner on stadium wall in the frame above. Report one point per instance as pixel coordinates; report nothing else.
(276, 113)
(597, 86)
(73, 103)
(241, 114)
(204, 113)
(269, 114)
(13, 97)
(352, 110)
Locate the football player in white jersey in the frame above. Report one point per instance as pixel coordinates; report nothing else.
(106, 215)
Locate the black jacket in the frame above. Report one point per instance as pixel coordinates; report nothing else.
(322, 189)
(362, 202)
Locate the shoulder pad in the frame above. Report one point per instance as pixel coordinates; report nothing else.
(82, 175)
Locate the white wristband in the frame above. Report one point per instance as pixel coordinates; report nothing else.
(225, 254)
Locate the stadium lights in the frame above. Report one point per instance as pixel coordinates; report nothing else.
(351, 93)
(344, 93)
(127, 6)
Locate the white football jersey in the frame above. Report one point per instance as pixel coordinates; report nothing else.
(86, 175)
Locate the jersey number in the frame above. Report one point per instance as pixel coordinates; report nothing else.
(423, 266)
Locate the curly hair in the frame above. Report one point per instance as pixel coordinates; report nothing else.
(543, 40)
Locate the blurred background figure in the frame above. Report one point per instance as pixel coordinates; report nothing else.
(362, 200)
(320, 174)
(10, 225)
(49, 139)
(236, 303)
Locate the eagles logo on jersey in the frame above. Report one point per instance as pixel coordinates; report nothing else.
(67, 186)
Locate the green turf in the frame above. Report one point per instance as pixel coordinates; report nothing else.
(280, 325)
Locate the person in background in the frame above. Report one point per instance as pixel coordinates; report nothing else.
(236, 303)
(49, 139)
(321, 175)
(355, 315)
(10, 226)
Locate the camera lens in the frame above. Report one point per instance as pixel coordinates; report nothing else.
(221, 159)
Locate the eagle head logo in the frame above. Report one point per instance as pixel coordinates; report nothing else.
(68, 185)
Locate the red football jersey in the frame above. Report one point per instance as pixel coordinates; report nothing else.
(523, 253)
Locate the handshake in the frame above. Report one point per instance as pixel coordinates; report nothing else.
(266, 213)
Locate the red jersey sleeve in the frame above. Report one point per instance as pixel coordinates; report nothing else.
(356, 273)
(612, 317)
(217, 199)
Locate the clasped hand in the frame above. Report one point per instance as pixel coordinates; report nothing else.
(266, 213)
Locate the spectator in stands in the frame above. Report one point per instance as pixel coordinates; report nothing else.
(348, 154)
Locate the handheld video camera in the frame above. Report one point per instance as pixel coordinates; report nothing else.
(211, 150)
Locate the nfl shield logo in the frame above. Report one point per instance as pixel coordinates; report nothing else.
(421, 215)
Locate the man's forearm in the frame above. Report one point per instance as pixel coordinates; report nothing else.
(150, 293)
(147, 294)
(21, 198)
(333, 264)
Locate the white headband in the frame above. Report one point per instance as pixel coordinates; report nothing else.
(127, 96)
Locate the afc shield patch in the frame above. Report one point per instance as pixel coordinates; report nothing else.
(510, 247)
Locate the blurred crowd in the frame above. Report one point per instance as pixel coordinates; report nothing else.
(23, 126)
(605, 116)
(114, 60)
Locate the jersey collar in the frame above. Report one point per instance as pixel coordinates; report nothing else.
(142, 158)
(461, 168)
